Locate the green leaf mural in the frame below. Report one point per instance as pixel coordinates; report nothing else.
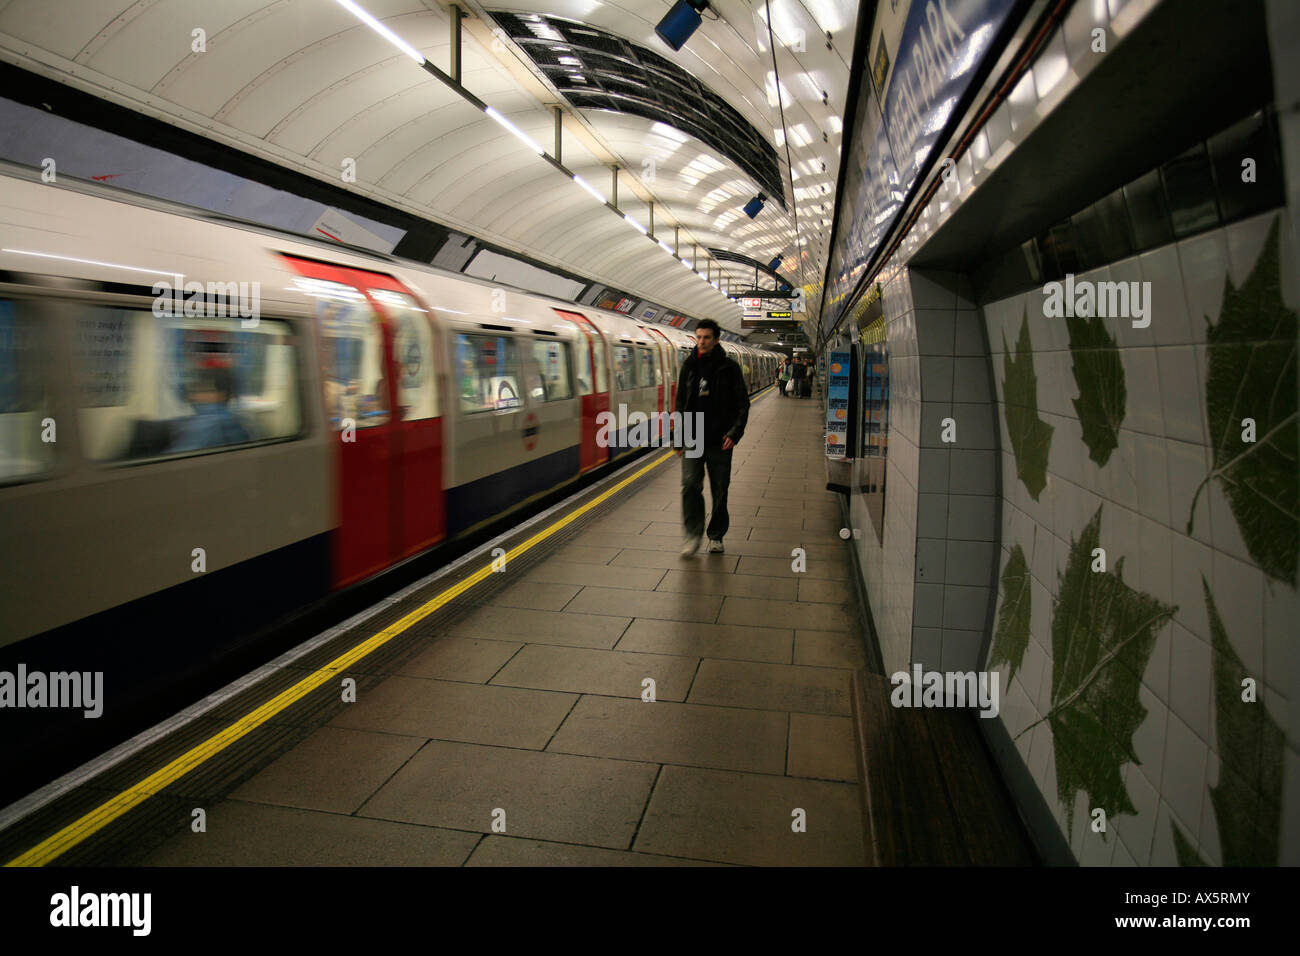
(1099, 373)
(1103, 633)
(1248, 800)
(1252, 374)
(1011, 636)
(1187, 855)
(1031, 437)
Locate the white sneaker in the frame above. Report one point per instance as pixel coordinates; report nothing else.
(715, 546)
(690, 546)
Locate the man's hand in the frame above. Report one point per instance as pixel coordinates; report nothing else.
(728, 444)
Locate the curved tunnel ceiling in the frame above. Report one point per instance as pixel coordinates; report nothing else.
(305, 84)
(596, 70)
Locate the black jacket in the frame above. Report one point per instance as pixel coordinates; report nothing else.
(716, 387)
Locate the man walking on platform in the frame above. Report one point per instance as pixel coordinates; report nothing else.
(710, 384)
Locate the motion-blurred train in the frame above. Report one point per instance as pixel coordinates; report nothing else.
(197, 414)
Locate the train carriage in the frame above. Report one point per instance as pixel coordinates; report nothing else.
(200, 456)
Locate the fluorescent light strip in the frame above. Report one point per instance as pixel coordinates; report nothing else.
(93, 262)
(665, 247)
(374, 24)
(382, 30)
(595, 193)
(516, 131)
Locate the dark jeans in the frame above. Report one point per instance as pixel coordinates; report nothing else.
(718, 464)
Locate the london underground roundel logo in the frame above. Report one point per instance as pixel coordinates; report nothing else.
(836, 367)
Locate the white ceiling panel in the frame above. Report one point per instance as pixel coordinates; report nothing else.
(306, 84)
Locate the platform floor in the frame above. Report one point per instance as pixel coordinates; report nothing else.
(518, 735)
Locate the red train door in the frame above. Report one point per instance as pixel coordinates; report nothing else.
(381, 403)
(589, 453)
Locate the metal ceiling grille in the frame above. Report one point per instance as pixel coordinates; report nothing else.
(726, 255)
(600, 71)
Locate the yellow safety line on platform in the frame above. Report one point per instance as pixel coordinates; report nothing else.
(104, 814)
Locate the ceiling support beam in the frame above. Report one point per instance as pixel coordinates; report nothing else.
(613, 186)
(559, 136)
(456, 15)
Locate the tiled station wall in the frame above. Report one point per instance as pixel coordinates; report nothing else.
(1121, 683)
(1194, 596)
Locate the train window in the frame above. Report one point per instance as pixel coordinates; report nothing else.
(352, 357)
(602, 374)
(585, 348)
(153, 386)
(489, 373)
(624, 367)
(417, 394)
(553, 365)
(27, 444)
(647, 376)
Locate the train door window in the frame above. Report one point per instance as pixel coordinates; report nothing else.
(488, 368)
(153, 386)
(585, 346)
(647, 376)
(552, 359)
(417, 394)
(352, 356)
(624, 367)
(602, 374)
(27, 441)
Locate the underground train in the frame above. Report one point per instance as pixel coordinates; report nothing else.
(197, 414)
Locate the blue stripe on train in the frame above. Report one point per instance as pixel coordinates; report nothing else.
(488, 497)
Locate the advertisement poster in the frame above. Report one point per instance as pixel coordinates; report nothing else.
(940, 48)
(837, 405)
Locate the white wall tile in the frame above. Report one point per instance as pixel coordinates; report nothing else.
(969, 562)
(1144, 407)
(976, 426)
(965, 608)
(1188, 466)
(936, 378)
(928, 605)
(1204, 261)
(972, 517)
(1170, 321)
(1190, 681)
(1183, 785)
(1239, 598)
(931, 555)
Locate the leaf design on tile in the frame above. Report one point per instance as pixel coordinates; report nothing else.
(1011, 636)
(1248, 800)
(1187, 855)
(1103, 633)
(1031, 437)
(1252, 374)
(1099, 374)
